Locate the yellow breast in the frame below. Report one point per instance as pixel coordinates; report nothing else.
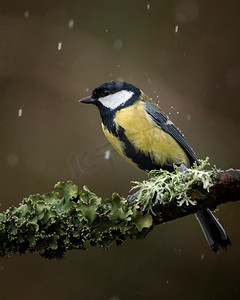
(146, 136)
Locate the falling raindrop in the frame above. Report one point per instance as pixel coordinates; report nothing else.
(26, 14)
(59, 46)
(71, 23)
(107, 154)
(20, 112)
(118, 44)
(12, 159)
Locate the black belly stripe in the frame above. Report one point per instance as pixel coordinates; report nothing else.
(143, 161)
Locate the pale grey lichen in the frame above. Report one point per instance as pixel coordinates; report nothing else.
(163, 186)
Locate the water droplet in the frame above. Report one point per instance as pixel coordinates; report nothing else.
(20, 112)
(71, 23)
(148, 6)
(118, 44)
(107, 154)
(176, 29)
(59, 46)
(12, 159)
(26, 14)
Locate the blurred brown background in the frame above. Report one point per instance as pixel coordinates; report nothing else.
(184, 54)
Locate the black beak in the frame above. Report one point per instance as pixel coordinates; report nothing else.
(88, 100)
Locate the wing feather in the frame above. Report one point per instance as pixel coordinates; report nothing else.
(165, 124)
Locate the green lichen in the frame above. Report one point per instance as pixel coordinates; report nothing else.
(53, 223)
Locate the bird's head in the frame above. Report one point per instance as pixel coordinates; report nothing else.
(113, 95)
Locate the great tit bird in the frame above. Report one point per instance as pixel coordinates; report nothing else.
(143, 134)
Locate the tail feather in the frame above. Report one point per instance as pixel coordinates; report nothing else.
(214, 233)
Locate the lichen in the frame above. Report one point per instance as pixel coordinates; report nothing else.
(51, 224)
(163, 186)
(70, 218)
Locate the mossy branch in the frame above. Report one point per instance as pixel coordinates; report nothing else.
(53, 223)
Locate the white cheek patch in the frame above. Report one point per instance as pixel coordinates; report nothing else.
(115, 100)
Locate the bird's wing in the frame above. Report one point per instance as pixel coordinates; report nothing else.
(165, 124)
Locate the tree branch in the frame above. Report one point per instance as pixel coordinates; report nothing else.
(53, 223)
(226, 188)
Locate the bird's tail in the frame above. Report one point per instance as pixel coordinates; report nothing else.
(213, 230)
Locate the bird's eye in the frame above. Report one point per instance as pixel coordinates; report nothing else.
(106, 92)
